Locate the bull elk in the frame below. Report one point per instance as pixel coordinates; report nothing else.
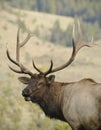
(77, 103)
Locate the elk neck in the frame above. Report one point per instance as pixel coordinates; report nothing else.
(51, 102)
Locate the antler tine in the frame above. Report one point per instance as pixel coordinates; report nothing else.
(36, 67)
(23, 69)
(19, 45)
(16, 71)
(13, 61)
(76, 47)
(79, 31)
(43, 73)
(50, 68)
(80, 42)
(26, 40)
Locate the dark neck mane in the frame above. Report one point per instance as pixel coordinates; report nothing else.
(52, 101)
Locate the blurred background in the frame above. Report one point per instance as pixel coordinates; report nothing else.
(50, 22)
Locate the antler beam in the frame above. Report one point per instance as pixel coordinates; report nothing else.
(23, 69)
(76, 47)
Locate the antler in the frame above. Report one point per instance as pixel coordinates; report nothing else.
(23, 69)
(44, 73)
(76, 47)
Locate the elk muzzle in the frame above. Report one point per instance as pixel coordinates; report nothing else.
(26, 94)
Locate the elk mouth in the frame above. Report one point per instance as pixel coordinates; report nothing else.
(27, 99)
(26, 95)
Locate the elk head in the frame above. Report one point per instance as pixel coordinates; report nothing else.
(39, 83)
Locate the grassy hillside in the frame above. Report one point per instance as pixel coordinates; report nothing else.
(15, 113)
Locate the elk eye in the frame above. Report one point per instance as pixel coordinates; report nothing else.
(40, 84)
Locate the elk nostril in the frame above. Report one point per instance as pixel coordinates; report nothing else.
(25, 93)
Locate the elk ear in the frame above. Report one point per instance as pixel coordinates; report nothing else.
(24, 80)
(51, 79)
